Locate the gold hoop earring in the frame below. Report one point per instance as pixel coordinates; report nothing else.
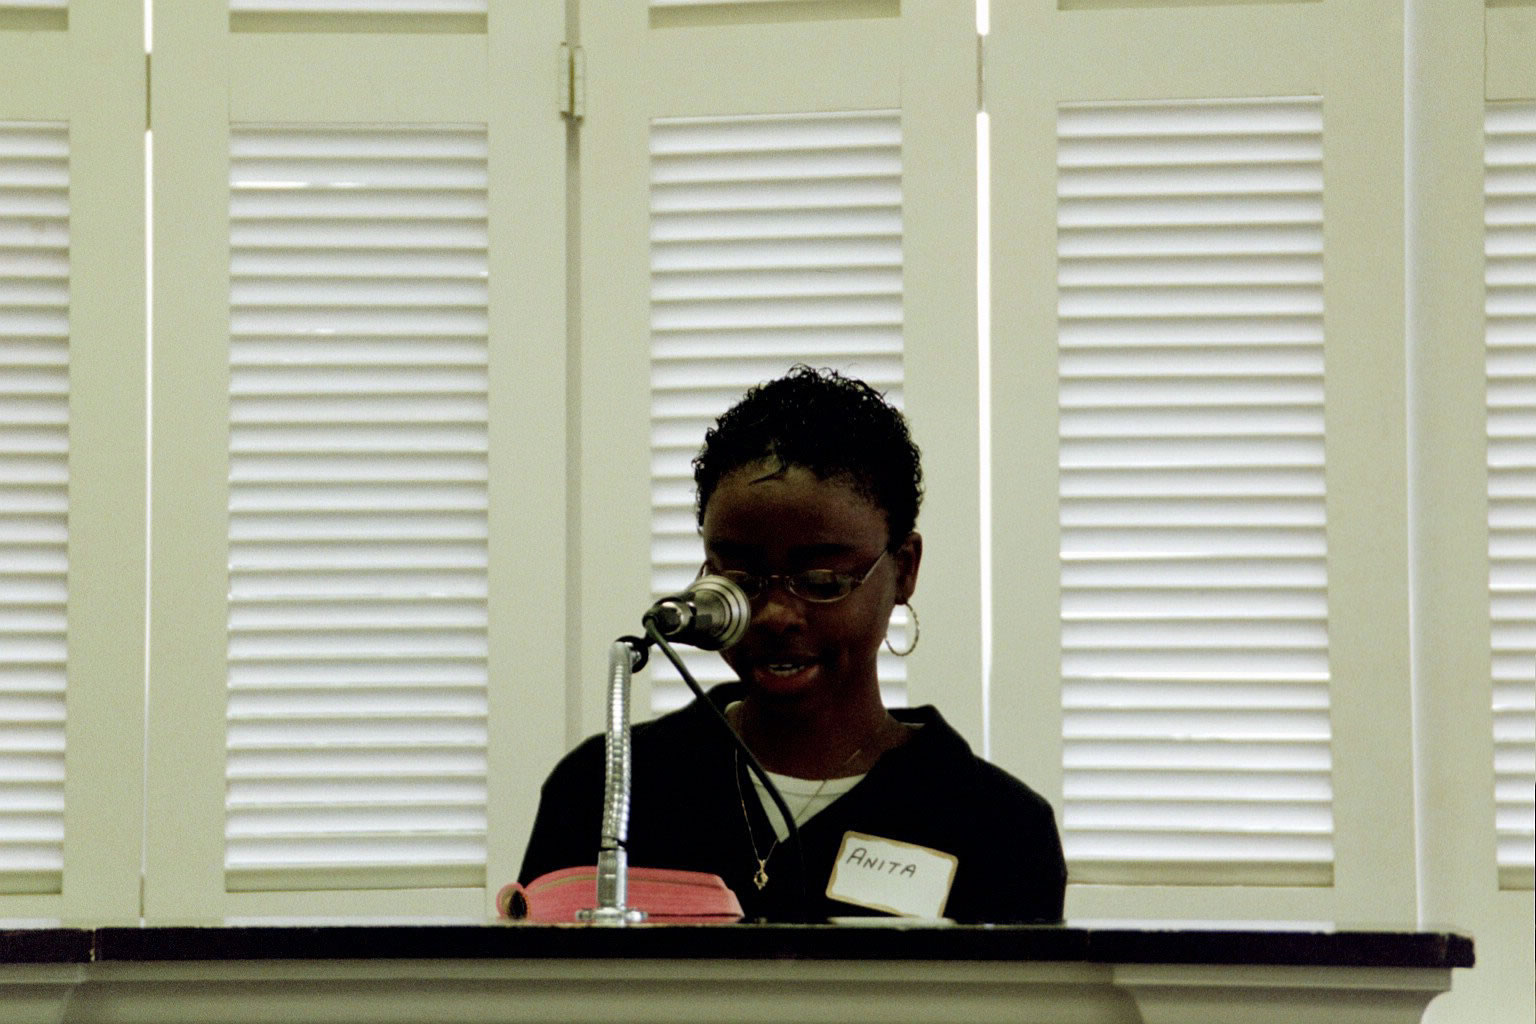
(916, 632)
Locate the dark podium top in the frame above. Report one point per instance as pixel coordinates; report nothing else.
(503, 940)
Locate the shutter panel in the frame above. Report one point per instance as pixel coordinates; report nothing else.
(774, 240)
(1193, 547)
(357, 642)
(34, 489)
(1510, 221)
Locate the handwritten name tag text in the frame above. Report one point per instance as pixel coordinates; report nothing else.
(891, 875)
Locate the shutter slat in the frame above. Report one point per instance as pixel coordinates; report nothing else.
(357, 645)
(1193, 543)
(358, 6)
(363, 761)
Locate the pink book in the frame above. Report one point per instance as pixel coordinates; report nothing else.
(666, 895)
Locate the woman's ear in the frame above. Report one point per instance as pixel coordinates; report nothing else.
(908, 556)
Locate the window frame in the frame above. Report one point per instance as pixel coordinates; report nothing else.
(209, 77)
(90, 77)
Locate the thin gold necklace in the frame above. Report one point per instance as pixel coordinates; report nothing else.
(760, 877)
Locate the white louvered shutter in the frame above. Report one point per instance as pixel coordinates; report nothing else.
(357, 644)
(775, 240)
(34, 495)
(1193, 555)
(1510, 217)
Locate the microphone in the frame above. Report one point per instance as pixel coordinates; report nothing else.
(711, 614)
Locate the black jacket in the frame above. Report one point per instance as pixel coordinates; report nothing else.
(686, 812)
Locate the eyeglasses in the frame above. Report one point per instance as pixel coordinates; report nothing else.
(819, 586)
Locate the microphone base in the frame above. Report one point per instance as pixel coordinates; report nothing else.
(611, 917)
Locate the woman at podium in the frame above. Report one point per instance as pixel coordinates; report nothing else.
(807, 498)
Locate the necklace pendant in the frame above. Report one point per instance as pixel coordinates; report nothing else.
(761, 878)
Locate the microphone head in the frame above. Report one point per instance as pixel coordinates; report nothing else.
(721, 613)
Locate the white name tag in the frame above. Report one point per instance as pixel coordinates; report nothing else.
(896, 877)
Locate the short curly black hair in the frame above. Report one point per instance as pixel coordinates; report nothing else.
(837, 427)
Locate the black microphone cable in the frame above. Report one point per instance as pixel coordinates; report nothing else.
(749, 759)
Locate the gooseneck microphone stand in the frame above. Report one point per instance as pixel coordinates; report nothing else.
(625, 655)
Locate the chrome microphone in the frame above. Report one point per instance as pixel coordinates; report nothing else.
(711, 614)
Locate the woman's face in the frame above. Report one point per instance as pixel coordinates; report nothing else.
(766, 519)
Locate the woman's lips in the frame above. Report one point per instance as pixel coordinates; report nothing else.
(782, 670)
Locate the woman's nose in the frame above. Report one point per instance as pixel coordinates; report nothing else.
(775, 607)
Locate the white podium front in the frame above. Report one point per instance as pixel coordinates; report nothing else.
(845, 974)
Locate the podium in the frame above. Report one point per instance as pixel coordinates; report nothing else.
(501, 971)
